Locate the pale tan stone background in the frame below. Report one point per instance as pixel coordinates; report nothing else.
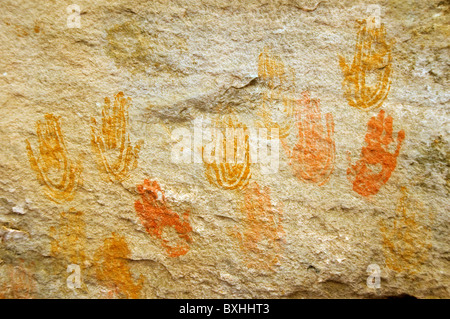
(201, 52)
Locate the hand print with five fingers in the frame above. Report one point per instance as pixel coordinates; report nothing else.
(54, 168)
(313, 156)
(376, 164)
(111, 142)
(372, 59)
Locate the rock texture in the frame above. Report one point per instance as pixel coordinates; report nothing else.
(98, 97)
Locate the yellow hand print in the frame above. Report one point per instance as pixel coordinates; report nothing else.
(371, 63)
(229, 174)
(278, 106)
(111, 142)
(271, 69)
(54, 169)
(405, 242)
(70, 240)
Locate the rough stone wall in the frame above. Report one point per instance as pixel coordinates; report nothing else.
(98, 98)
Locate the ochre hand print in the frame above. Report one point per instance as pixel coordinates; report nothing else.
(367, 80)
(376, 164)
(261, 233)
(161, 222)
(55, 170)
(144, 50)
(277, 106)
(69, 241)
(20, 283)
(111, 142)
(271, 68)
(232, 174)
(113, 270)
(405, 242)
(312, 158)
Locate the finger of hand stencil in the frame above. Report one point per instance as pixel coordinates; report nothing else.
(343, 65)
(122, 131)
(59, 138)
(106, 107)
(113, 126)
(386, 138)
(120, 113)
(106, 122)
(330, 126)
(377, 123)
(400, 139)
(40, 131)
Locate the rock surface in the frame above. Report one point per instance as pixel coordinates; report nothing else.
(96, 98)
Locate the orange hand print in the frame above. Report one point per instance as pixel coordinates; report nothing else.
(262, 232)
(222, 172)
(55, 170)
(376, 164)
(161, 222)
(367, 81)
(405, 241)
(112, 268)
(111, 143)
(313, 156)
(20, 283)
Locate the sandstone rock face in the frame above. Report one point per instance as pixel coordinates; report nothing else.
(120, 177)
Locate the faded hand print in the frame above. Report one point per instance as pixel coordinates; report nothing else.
(111, 142)
(261, 233)
(405, 242)
(161, 222)
(70, 241)
(54, 167)
(271, 69)
(144, 50)
(367, 80)
(113, 270)
(277, 108)
(20, 283)
(312, 158)
(377, 162)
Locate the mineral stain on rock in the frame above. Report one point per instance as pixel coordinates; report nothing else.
(55, 168)
(312, 158)
(173, 230)
(376, 162)
(115, 154)
(113, 269)
(367, 80)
